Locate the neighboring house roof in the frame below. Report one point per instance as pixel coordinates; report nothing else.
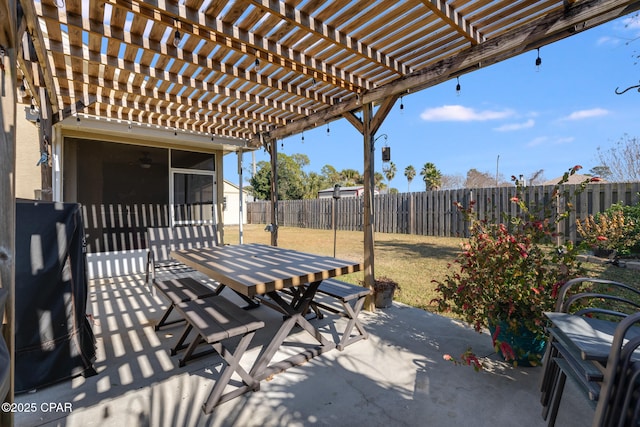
(573, 179)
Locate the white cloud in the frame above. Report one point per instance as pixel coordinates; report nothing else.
(608, 41)
(516, 126)
(537, 141)
(459, 113)
(587, 114)
(546, 140)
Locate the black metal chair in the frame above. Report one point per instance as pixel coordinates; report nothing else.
(581, 337)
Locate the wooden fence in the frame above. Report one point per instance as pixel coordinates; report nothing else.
(433, 213)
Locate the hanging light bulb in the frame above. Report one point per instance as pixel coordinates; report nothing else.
(282, 144)
(538, 61)
(22, 92)
(32, 108)
(401, 105)
(303, 137)
(458, 86)
(256, 65)
(129, 127)
(328, 130)
(176, 38)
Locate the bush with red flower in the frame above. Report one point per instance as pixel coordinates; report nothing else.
(508, 272)
(614, 230)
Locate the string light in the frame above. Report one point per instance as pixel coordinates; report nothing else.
(22, 91)
(303, 137)
(538, 61)
(458, 86)
(401, 104)
(176, 36)
(328, 130)
(257, 65)
(32, 108)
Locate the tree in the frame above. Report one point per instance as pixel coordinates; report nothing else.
(451, 182)
(601, 171)
(350, 177)
(409, 173)
(623, 159)
(389, 172)
(477, 179)
(291, 178)
(432, 176)
(536, 178)
(330, 174)
(314, 183)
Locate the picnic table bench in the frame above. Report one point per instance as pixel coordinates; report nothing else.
(215, 319)
(352, 298)
(182, 289)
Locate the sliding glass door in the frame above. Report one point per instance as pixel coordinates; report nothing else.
(193, 188)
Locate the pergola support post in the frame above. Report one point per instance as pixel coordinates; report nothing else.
(368, 127)
(8, 100)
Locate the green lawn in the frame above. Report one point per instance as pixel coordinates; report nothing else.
(412, 261)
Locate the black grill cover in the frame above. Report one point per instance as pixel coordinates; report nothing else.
(54, 340)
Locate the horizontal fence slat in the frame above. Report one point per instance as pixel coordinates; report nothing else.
(433, 213)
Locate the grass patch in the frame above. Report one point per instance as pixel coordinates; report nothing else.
(412, 261)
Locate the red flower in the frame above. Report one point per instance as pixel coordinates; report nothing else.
(514, 199)
(577, 167)
(596, 179)
(602, 238)
(507, 351)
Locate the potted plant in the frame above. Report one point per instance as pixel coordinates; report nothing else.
(383, 290)
(507, 275)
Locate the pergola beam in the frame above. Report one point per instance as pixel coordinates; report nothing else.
(449, 15)
(332, 35)
(552, 27)
(245, 41)
(37, 39)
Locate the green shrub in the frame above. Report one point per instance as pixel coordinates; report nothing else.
(617, 229)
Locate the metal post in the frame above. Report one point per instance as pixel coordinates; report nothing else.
(336, 196)
(241, 203)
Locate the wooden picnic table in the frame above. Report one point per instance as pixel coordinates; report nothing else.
(253, 270)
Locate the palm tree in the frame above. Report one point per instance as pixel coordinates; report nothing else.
(350, 177)
(409, 173)
(432, 176)
(389, 172)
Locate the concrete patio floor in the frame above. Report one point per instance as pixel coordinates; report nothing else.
(395, 378)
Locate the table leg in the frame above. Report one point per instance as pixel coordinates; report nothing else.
(295, 312)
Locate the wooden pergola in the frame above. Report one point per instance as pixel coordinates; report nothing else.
(253, 70)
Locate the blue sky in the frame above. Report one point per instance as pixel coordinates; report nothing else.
(510, 115)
